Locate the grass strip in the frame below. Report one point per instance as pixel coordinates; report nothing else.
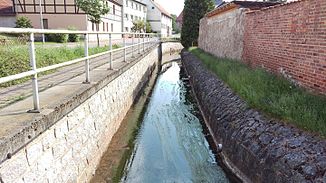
(269, 93)
(14, 59)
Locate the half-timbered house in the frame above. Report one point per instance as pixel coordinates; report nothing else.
(62, 14)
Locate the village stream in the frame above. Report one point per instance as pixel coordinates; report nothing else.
(163, 137)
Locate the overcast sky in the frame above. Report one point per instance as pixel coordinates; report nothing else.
(172, 6)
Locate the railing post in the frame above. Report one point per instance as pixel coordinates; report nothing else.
(132, 47)
(124, 50)
(143, 42)
(111, 53)
(148, 44)
(87, 80)
(138, 43)
(36, 99)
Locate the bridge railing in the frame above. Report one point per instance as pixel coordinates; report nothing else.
(140, 40)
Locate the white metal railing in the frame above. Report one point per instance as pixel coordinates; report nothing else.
(151, 38)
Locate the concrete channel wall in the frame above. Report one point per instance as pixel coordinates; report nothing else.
(258, 148)
(70, 150)
(171, 47)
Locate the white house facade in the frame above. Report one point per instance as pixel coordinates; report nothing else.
(133, 11)
(159, 18)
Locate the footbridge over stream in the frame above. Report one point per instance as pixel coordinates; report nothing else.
(66, 119)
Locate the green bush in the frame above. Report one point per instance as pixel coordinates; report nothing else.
(73, 37)
(59, 38)
(23, 22)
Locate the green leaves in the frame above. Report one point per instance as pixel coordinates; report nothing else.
(139, 26)
(23, 22)
(94, 9)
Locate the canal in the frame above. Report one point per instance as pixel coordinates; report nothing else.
(170, 143)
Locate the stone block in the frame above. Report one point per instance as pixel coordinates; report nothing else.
(48, 139)
(13, 169)
(45, 161)
(34, 150)
(61, 128)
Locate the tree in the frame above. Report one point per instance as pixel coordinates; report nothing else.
(95, 9)
(175, 28)
(23, 22)
(139, 26)
(148, 27)
(194, 10)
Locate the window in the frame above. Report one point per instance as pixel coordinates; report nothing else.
(126, 16)
(45, 23)
(126, 29)
(131, 17)
(132, 5)
(97, 27)
(113, 9)
(126, 3)
(93, 27)
(111, 27)
(107, 27)
(136, 6)
(103, 27)
(153, 7)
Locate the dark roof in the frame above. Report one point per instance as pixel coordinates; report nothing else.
(180, 17)
(6, 7)
(118, 2)
(218, 2)
(252, 5)
(140, 2)
(162, 10)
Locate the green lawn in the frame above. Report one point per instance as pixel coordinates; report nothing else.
(269, 93)
(14, 59)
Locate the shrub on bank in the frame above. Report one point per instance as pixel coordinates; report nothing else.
(73, 37)
(272, 94)
(59, 38)
(23, 22)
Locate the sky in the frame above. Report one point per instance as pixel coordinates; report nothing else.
(172, 6)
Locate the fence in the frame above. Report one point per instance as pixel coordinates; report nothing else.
(143, 40)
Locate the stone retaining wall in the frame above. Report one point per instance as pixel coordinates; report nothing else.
(70, 150)
(261, 148)
(222, 35)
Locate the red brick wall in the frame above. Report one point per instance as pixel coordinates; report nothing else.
(291, 40)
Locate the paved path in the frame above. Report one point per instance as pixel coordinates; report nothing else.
(18, 92)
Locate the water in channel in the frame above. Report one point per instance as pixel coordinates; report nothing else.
(171, 145)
